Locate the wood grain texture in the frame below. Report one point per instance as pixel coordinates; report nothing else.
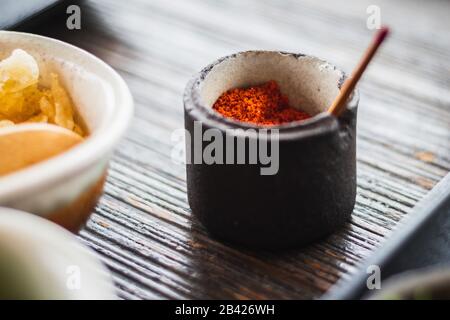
(142, 227)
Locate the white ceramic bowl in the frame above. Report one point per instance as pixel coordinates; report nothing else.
(65, 188)
(40, 260)
(429, 283)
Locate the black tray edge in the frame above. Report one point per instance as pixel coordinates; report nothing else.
(427, 209)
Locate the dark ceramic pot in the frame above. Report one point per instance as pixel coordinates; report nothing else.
(309, 190)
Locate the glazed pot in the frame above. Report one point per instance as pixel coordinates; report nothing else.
(307, 190)
(66, 187)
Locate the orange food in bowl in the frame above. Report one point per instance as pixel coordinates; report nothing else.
(22, 148)
(23, 99)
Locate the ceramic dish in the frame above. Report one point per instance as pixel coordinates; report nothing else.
(431, 283)
(40, 260)
(311, 191)
(65, 188)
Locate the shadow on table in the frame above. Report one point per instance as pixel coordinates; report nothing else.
(225, 271)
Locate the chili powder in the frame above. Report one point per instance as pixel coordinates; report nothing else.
(263, 104)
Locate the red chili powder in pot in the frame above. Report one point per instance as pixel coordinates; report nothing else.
(263, 104)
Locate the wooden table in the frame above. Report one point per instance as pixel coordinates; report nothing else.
(143, 229)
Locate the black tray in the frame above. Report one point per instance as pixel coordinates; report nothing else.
(421, 239)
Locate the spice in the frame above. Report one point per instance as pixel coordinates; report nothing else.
(263, 104)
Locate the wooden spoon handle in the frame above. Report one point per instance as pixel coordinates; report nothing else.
(339, 104)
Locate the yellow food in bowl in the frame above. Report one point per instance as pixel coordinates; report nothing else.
(23, 99)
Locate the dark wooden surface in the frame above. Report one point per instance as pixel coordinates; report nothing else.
(142, 227)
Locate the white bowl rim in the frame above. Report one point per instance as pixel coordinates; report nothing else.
(86, 153)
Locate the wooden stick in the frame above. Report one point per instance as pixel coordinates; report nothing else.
(340, 103)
